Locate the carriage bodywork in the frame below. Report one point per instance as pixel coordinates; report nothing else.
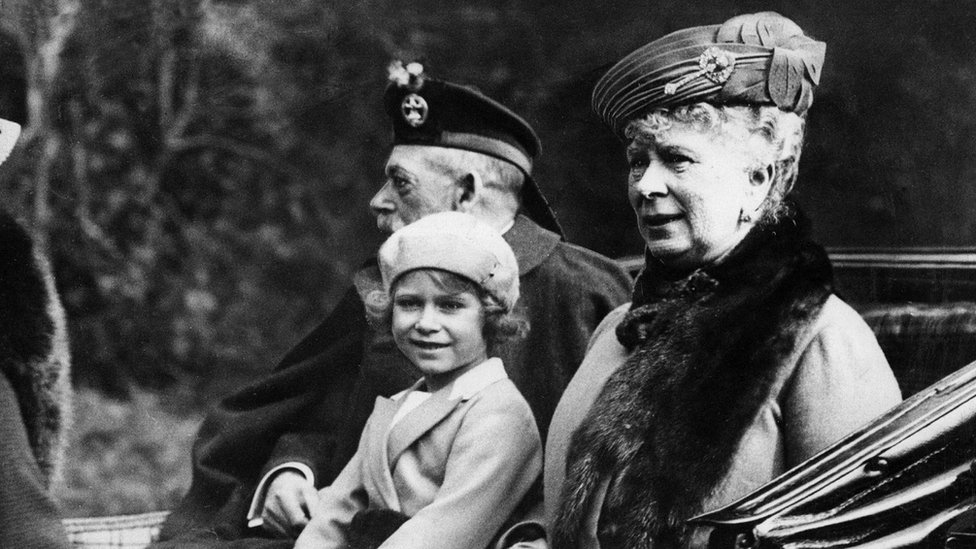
(902, 481)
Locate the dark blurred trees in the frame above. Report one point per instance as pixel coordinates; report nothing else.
(183, 169)
(199, 169)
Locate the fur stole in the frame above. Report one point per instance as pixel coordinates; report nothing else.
(705, 351)
(34, 345)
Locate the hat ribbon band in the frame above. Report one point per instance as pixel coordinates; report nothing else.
(487, 145)
(714, 64)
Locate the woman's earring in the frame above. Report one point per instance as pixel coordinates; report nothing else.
(744, 217)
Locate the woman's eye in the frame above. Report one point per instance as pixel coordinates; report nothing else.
(637, 167)
(674, 158)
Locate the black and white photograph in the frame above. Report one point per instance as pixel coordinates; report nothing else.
(472, 274)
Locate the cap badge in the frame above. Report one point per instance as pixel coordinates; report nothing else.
(714, 64)
(414, 109)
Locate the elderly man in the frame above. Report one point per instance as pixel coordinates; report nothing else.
(262, 452)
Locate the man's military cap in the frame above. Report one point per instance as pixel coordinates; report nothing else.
(436, 113)
(760, 58)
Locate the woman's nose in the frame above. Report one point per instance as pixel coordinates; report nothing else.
(652, 182)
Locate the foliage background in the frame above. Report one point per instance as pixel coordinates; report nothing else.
(199, 169)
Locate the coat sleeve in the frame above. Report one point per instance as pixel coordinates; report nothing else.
(337, 505)
(494, 460)
(240, 436)
(326, 436)
(565, 298)
(841, 382)
(591, 286)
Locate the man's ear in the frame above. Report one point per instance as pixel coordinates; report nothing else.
(468, 189)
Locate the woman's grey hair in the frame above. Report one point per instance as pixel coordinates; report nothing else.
(781, 131)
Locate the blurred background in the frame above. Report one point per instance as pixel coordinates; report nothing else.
(199, 170)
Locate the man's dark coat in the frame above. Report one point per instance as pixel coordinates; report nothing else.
(313, 407)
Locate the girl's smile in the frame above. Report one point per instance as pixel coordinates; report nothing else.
(439, 331)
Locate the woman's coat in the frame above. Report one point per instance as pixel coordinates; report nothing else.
(706, 388)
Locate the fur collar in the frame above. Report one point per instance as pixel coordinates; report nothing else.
(706, 349)
(33, 344)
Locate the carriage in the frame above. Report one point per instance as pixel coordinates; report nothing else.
(907, 479)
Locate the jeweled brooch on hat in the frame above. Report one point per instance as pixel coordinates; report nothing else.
(714, 64)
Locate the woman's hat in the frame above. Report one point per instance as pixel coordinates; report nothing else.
(436, 113)
(760, 58)
(457, 243)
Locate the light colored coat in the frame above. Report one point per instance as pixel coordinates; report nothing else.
(458, 465)
(313, 408)
(836, 380)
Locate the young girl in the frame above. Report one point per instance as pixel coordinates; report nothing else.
(456, 452)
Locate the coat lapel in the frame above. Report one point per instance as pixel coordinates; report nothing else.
(531, 243)
(383, 412)
(416, 423)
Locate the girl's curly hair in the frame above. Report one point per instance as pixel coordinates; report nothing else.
(500, 325)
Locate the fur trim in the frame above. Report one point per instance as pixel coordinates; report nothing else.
(707, 350)
(34, 345)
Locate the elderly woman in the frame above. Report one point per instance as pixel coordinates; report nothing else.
(735, 361)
